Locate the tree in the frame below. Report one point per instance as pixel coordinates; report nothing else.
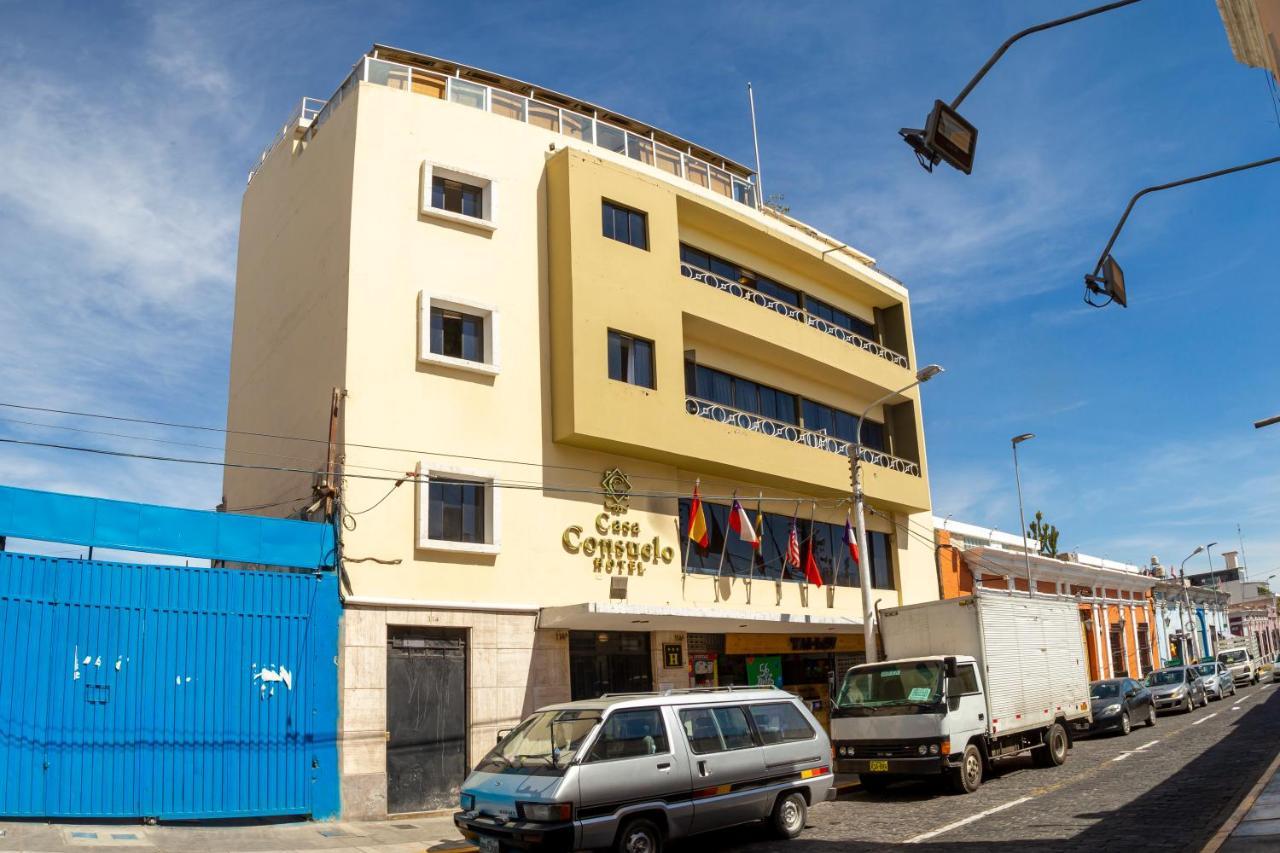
(1047, 535)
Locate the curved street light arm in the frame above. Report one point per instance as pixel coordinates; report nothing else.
(995, 57)
(1140, 193)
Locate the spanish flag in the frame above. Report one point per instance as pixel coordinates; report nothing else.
(697, 521)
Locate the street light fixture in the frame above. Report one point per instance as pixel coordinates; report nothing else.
(946, 134)
(1107, 279)
(1209, 553)
(1266, 422)
(1022, 516)
(923, 375)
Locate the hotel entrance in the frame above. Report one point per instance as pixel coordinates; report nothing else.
(609, 662)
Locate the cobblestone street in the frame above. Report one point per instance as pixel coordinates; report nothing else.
(1163, 788)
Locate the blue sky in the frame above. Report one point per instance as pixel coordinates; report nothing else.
(128, 130)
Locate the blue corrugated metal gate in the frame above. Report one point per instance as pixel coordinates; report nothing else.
(139, 690)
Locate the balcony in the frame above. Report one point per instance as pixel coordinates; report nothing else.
(796, 434)
(527, 110)
(743, 291)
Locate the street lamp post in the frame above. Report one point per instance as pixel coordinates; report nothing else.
(924, 374)
(1188, 632)
(1022, 516)
(1208, 550)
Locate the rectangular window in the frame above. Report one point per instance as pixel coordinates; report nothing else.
(457, 197)
(625, 225)
(457, 510)
(780, 723)
(631, 734)
(468, 94)
(728, 390)
(716, 729)
(457, 335)
(966, 681)
(631, 359)
(881, 557)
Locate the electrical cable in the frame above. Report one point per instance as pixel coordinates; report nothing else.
(268, 506)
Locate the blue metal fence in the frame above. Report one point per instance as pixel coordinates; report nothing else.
(173, 692)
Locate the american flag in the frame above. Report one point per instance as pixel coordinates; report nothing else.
(793, 547)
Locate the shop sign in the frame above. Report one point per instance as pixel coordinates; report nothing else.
(766, 644)
(618, 547)
(813, 644)
(672, 655)
(764, 670)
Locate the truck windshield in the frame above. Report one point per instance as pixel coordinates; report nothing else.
(905, 683)
(547, 740)
(1236, 656)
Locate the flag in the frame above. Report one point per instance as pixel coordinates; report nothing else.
(697, 521)
(811, 573)
(792, 557)
(851, 540)
(740, 524)
(759, 529)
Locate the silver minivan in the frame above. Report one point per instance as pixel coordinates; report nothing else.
(629, 771)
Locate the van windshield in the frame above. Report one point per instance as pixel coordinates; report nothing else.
(906, 683)
(547, 740)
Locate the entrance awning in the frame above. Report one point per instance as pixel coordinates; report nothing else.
(625, 616)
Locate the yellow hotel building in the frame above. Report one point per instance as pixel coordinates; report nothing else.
(560, 319)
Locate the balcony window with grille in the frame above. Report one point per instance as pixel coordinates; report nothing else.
(631, 359)
(822, 418)
(717, 386)
(625, 225)
(842, 319)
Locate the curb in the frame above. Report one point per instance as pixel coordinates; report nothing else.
(1224, 832)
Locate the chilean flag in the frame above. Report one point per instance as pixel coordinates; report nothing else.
(740, 524)
(851, 540)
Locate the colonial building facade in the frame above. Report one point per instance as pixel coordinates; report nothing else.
(550, 324)
(1114, 598)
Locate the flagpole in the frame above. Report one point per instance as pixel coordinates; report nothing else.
(759, 544)
(724, 545)
(813, 509)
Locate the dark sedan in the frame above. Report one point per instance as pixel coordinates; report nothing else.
(1118, 705)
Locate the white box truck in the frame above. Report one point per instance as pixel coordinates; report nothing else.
(967, 680)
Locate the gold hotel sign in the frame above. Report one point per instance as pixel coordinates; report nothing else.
(619, 547)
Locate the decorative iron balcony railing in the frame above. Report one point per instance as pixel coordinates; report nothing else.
(794, 433)
(750, 294)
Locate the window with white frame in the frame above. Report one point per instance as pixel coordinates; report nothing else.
(457, 196)
(457, 510)
(457, 333)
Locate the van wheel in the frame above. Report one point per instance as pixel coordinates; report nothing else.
(1054, 751)
(789, 815)
(640, 835)
(966, 778)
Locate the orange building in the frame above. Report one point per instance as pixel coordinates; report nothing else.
(1116, 615)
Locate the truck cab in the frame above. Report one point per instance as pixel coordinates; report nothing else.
(910, 717)
(1242, 663)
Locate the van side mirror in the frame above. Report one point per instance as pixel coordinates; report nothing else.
(502, 733)
(949, 667)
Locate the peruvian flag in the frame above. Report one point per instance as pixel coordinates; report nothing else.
(851, 540)
(811, 573)
(740, 524)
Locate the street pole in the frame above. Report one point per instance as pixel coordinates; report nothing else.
(864, 569)
(1208, 550)
(1186, 603)
(1022, 516)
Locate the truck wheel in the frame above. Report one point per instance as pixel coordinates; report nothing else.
(966, 778)
(1054, 751)
(640, 835)
(789, 815)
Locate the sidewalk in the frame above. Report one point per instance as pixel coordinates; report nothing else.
(413, 835)
(1256, 823)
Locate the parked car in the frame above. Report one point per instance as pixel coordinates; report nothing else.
(1218, 681)
(1275, 669)
(1177, 687)
(1117, 703)
(1243, 665)
(629, 771)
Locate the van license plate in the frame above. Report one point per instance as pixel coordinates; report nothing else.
(876, 767)
(488, 844)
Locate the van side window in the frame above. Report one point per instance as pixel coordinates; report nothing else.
(780, 723)
(716, 729)
(628, 734)
(967, 678)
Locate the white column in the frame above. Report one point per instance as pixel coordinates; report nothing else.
(1106, 638)
(1097, 640)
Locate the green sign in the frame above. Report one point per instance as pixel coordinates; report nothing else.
(764, 669)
